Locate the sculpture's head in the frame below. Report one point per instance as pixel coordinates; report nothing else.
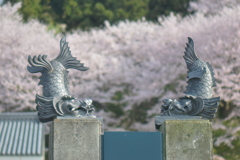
(69, 106)
(179, 107)
(88, 102)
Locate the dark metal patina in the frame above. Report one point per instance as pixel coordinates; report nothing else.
(56, 99)
(198, 100)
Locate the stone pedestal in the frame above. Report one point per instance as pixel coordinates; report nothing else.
(189, 139)
(75, 139)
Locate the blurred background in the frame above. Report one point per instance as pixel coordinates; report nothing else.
(134, 50)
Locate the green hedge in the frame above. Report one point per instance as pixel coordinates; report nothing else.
(85, 14)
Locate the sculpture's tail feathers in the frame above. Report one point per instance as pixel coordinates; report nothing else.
(45, 108)
(38, 63)
(212, 73)
(189, 54)
(205, 107)
(210, 107)
(197, 106)
(66, 59)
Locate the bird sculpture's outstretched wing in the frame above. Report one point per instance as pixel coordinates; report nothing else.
(198, 100)
(56, 99)
(66, 59)
(200, 74)
(194, 64)
(189, 54)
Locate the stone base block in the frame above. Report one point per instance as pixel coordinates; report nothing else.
(75, 139)
(187, 139)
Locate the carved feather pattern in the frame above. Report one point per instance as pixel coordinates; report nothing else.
(54, 80)
(200, 74)
(198, 100)
(189, 54)
(38, 63)
(45, 108)
(66, 59)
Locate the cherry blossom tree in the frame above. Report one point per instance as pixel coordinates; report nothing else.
(133, 66)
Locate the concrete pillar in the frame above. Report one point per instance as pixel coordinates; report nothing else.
(75, 139)
(187, 139)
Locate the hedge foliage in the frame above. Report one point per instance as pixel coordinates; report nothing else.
(68, 15)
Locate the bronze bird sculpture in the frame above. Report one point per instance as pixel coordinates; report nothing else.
(198, 100)
(56, 99)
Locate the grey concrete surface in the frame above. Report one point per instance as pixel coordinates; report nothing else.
(187, 139)
(75, 139)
